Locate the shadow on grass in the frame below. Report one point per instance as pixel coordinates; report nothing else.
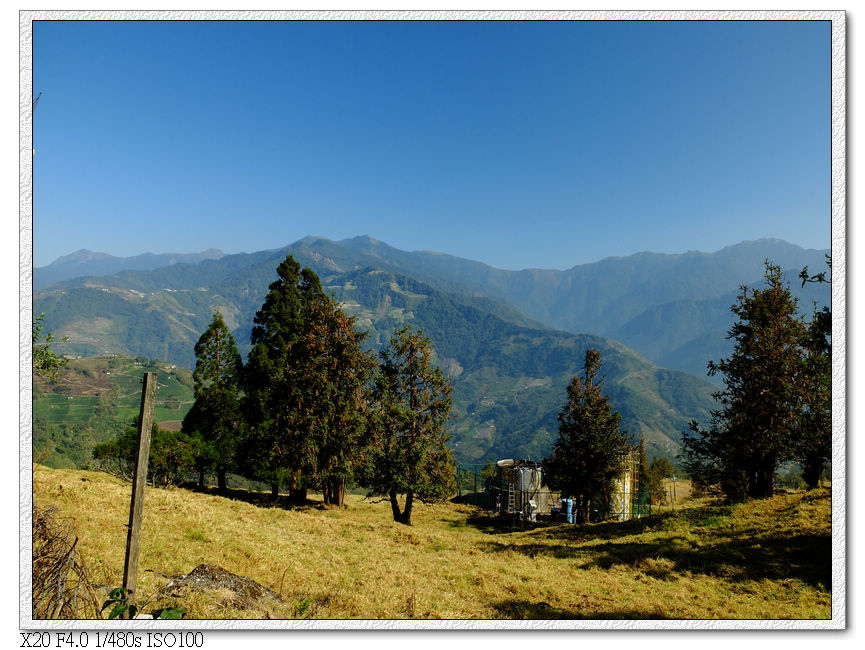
(697, 540)
(260, 499)
(488, 523)
(521, 609)
(804, 557)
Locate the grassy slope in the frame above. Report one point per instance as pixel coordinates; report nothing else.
(768, 559)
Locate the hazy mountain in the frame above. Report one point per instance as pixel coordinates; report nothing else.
(686, 334)
(602, 296)
(509, 378)
(509, 368)
(84, 262)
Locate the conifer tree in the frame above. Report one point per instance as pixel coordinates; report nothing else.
(814, 434)
(270, 451)
(332, 375)
(755, 428)
(589, 452)
(216, 415)
(408, 453)
(306, 382)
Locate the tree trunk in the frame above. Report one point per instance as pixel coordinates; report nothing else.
(811, 472)
(274, 490)
(406, 512)
(222, 485)
(334, 492)
(581, 510)
(394, 505)
(762, 484)
(297, 494)
(201, 478)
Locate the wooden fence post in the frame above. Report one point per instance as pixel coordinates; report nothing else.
(139, 480)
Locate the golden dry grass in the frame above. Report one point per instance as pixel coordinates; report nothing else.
(765, 560)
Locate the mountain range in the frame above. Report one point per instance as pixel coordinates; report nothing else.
(84, 262)
(510, 340)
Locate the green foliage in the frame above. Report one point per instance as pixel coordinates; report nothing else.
(302, 606)
(813, 444)
(118, 600)
(408, 453)
(172, 457)
(169, 613)
(45, 360)
(305, 384)
(662, 466)
(215, 416)
(652, 478)
(588, 453)
(758, 423)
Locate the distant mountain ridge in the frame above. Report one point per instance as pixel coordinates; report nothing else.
(599, 296)
(495, 330)
(84, 262)
(509, 378)
(658, 304)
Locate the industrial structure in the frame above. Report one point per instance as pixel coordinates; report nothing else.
(517, 489)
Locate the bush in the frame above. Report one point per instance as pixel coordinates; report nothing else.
(173, 455)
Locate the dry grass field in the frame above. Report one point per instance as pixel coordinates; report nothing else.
(763, 560)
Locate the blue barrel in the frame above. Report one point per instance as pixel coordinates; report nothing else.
(568, 504)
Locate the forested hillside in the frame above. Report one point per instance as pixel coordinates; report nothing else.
(509, 370)
(509, 379)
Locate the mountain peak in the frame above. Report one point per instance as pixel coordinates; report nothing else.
(81, 256)
(361, 240)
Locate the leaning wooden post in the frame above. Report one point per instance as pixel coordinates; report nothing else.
(136, 507)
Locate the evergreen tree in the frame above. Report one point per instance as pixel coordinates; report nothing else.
(814, 435)
(306, 382)
(589, 452)
(755, 427)
(216, 415)
(331, 377)
(412, 399)
(271, 450)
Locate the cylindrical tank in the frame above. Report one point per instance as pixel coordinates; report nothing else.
(568, 507)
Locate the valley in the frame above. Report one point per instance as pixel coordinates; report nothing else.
(509, 369)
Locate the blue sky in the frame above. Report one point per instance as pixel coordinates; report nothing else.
(519, 144)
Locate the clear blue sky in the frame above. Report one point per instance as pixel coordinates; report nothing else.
(519, 144)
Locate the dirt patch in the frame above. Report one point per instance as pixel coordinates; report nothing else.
(78, 382)
(238, 592)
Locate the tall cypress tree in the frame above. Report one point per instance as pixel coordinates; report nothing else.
(589, 452)
(215, 415)
(271, 448)
(306, 382)
(755, 428)
(331, 376)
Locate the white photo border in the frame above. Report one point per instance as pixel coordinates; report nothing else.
(839, 320)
